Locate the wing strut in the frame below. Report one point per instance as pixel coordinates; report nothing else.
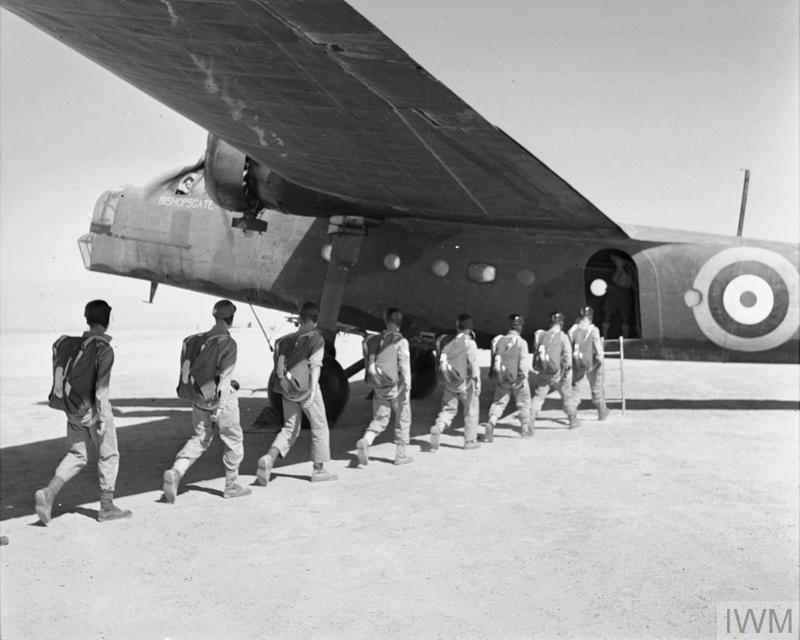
(346, 234)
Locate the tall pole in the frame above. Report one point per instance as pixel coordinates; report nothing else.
(744, 201)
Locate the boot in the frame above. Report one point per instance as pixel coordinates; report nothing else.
(45, 497)
(602, 413)
(574, 423)
(172, 478)
(108, 510)
(471, 444)
(488, 435)
(362, 451)
(526, 431)
(320, 474)
(264, 471)
(436, 431)
(401, 457)
(234, 490)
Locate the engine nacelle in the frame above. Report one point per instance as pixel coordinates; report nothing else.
(238, 183)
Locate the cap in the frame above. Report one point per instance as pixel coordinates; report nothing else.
(586, 312)
(515, 321)
(224, 309)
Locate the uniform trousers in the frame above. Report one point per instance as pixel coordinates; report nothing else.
(469, 401)
(595, 377)
(382, 411)
(230, 432)
(545, 386)
(78, 437)
(293, 419)
(522, 398)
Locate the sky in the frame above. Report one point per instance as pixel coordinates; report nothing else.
(650, 109)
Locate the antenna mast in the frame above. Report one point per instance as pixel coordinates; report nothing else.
(744, 201)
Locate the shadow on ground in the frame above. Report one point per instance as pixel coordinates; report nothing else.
(147, 449)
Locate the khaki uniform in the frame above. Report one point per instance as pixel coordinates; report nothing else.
(96, 426)
(460, 389)
(302, 350)
(222, 412)
(512, 382)
(561, 381)
(595, 373)
(392, 398)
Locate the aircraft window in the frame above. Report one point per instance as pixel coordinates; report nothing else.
(391, 262)
(481, 272)
(85, 245)
(440, 268)
(598, 287)
(185, 185)
(106, 208)
(526, 277)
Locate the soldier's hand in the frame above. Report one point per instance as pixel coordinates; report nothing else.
(308, 402)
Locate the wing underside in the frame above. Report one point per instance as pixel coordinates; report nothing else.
(317, 93)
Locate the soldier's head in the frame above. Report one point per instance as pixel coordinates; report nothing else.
(309, 312)
(586, 312)
(97, 312)
(393, 316)
(464, 322)
(224, 310)
(515, 321)
(556, 318)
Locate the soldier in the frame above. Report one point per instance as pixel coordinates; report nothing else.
(510, 365)
(458, 364)
(298, 361)
(552, 364)
(81, 377)
(388, 371)
(588, 359)
(207, 362)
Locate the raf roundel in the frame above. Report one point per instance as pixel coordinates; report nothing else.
(746, 299)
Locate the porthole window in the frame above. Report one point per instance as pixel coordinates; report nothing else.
(440, 268)
(598, 287)
(391, 262)
(481, 272)
(526, 277)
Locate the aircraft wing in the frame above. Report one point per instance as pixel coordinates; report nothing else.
(314, 91)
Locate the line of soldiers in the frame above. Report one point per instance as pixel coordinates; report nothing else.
(82, 368)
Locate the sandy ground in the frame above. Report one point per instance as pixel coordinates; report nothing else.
(634, 528)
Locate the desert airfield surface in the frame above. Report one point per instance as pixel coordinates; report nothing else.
(638, 527)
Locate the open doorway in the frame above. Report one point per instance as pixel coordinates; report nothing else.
(612, 290)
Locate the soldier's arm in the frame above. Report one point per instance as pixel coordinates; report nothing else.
(566, 353)
(315, 362)
(472, 361)
(227, 361)
(102, 389)
(524, 358)
(599, 349)
(495, 356)
(404, 363)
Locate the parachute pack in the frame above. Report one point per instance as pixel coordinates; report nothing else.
(453, 362)
(292, 363)
(380, 350)
(506, 357)
(583, 351)
(547, 359)
(75, 373)
(199, 360)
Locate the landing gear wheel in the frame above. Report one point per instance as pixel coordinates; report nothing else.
(335, 392)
